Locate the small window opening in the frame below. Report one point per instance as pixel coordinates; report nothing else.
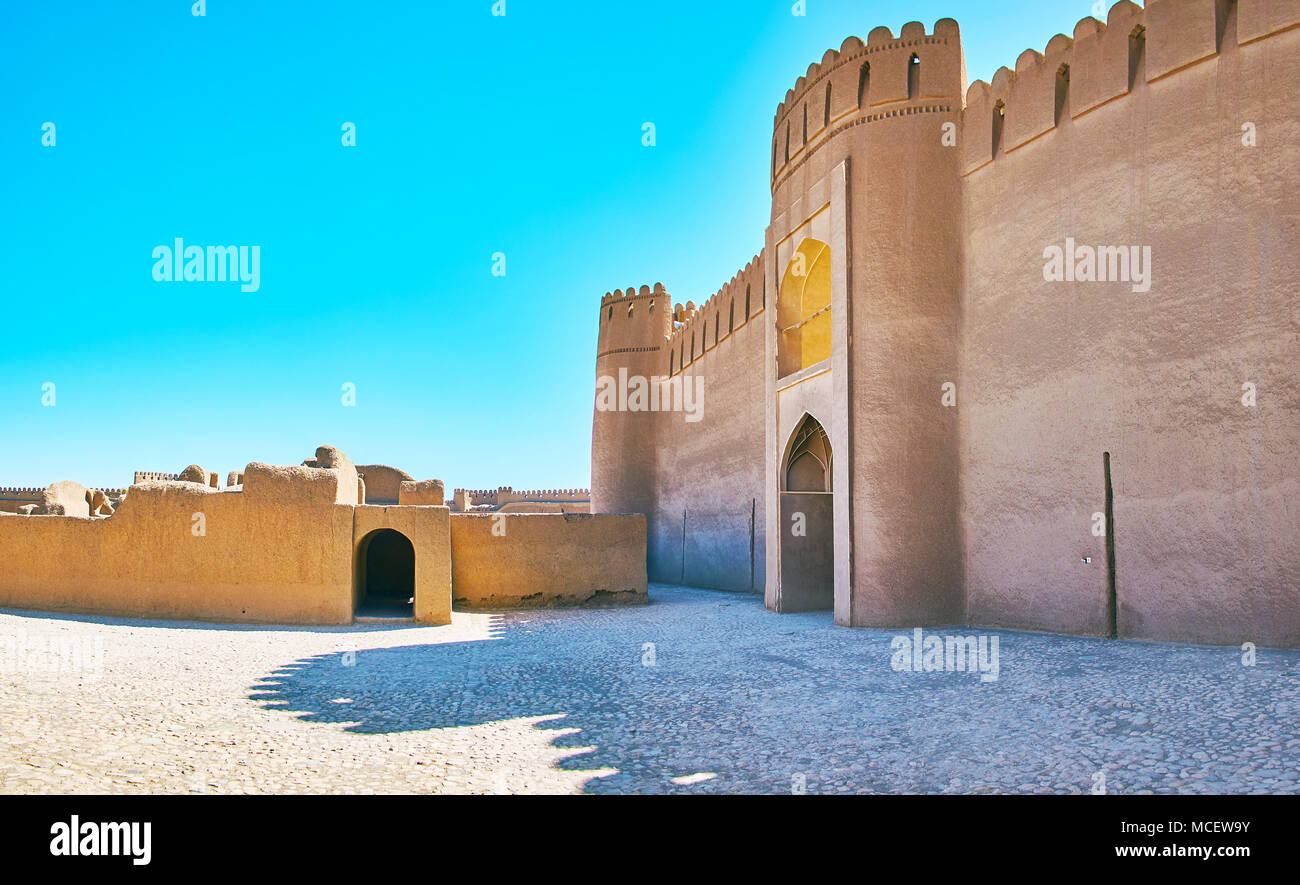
(1062, 93)
(1137, 57)
(999, 118)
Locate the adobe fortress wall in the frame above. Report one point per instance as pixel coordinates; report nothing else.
(509, 500)
(1146, 150)
(693, 468)
(1174, 127)
(12, 498)
(634, 326)
(278, 551)
(706, 528)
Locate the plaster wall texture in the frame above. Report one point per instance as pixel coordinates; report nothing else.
(706, 529)
(540, 560)
(1055, 374)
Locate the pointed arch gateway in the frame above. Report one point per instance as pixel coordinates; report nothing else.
(808, 458)
(807, 520)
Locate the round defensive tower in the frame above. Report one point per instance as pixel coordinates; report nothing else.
(634, 329)
(866, 189)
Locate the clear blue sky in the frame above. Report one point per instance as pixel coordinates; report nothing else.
(475, 134)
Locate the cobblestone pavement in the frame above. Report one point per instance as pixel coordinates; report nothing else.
(699, 692)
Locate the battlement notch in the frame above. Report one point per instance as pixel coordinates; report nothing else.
(1102, 62)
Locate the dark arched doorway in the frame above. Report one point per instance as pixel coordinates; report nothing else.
(807, 521)
(386, 567)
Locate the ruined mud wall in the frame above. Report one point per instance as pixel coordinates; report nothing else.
(1056, 374)
(539, 560)
(277, 552)
(383, 484)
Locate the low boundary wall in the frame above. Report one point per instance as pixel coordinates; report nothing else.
(527, 560)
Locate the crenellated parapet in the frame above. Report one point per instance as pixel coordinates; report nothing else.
(507, 495)
(153, 476)
(663, 325)
(487, 500)
(699, 329)
(14, 499)
(1102, 62)
(877, 80)
(634, 320)
(632, 293)
(549, 494)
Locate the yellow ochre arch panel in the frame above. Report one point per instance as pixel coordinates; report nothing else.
(803, 308)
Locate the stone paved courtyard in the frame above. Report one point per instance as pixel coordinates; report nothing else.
(734, 699)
